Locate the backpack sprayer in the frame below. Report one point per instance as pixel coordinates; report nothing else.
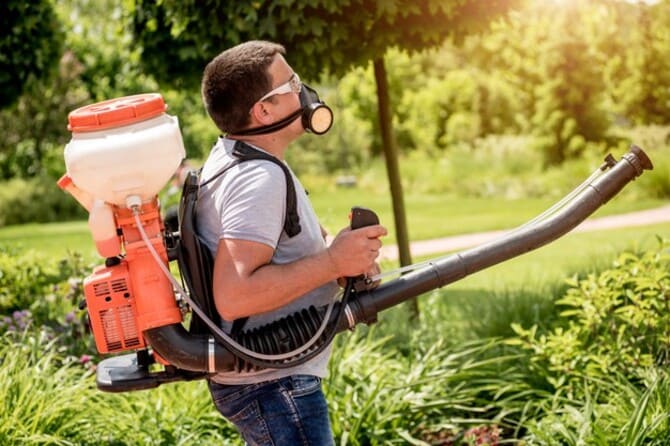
(121, 154)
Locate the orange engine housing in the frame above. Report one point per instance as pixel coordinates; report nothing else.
(112, 309)
(131, 293)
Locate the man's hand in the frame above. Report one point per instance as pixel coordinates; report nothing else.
(354, 252)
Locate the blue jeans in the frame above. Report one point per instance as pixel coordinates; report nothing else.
(290, 411)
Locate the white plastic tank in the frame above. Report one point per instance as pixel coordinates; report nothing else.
(123, 147)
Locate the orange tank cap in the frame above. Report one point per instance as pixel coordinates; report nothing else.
(116, 112)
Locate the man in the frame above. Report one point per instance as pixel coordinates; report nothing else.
(260, 271)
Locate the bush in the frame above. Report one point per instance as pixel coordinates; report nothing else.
(632, 414)
(43, 394)
(36, 200)
(457, 108)
(49, 397)
(23, 278)
(616, 322)
(432, 392)
(45, 294)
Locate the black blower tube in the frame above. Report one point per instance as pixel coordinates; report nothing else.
(200, 353)
(460, 265)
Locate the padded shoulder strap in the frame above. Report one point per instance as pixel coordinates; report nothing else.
(194, 259)
(245, 152)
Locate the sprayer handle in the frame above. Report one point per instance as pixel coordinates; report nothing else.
(361, 217)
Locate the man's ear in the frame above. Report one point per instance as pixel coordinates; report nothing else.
(261, 113)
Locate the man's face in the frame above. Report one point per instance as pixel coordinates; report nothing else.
(282, 105)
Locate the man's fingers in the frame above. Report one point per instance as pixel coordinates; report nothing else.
(374, 231)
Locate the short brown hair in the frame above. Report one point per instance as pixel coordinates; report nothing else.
(235, 79)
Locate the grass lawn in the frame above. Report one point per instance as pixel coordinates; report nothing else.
(51, 239)
(428, 216)
(574, 252)
(432, 216)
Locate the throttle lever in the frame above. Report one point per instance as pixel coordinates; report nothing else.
(360, 217)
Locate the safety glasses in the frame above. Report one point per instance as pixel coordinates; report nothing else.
(292, 85)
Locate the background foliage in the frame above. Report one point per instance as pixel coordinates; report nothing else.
(30, 44)
(449, 380)
(525, 75)
(519, 110)
(180, 37)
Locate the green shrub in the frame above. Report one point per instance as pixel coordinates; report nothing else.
(36, 200)
(27, 276)
(453, 109)
(614, 322)
(24, 277)
(30, 46)
(48, 397)
(44, 396)
(631, 414)
(431, 392)
(45, 294)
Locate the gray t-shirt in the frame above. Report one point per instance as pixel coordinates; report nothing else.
(248, 202)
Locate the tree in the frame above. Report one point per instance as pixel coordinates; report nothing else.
(179, 37)
(35, 127)
(568, 107)
(96, 64)
(30, 45)
(553, 55)
(104, 48)
(644, 89)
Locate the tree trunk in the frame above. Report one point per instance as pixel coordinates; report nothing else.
(392, 170)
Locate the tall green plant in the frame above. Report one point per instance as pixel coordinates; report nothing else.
(615, 322)
(34, 87)
(43, 395)
(431, 392)
(547, 54)
(108, 58)
(47, 397)
(614, 410)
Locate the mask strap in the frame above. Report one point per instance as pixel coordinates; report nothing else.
(269, 128)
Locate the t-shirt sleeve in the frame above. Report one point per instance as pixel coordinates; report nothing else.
(254, 203)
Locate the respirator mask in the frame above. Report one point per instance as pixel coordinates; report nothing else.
(315, 115)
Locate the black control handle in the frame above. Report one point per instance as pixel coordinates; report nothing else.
(361, 217)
